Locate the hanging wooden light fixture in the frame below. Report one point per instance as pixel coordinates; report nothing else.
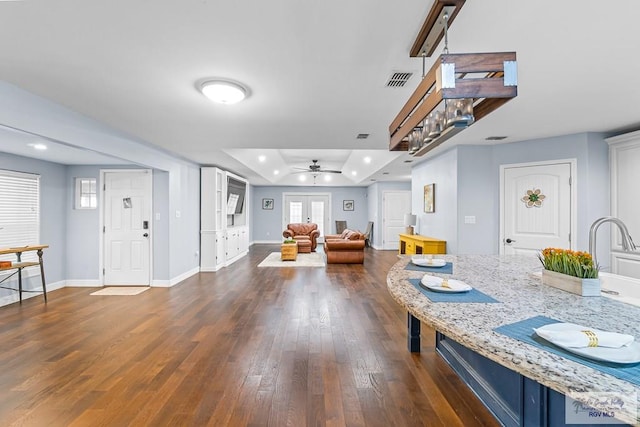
(481, 81)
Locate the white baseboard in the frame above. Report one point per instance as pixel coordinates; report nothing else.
(268, 242)
(83, 283)
(175, 280)
(15, 297)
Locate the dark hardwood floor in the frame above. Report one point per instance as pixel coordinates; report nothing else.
(245, 346)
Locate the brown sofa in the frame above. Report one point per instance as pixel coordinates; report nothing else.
(303, 231)
(345, 248)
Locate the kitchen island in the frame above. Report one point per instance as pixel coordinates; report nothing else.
(521, 383)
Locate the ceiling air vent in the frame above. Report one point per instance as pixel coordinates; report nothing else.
(399, 79)
(362, 136)
(495, 138)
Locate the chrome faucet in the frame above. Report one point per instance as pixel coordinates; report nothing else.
(627, 242)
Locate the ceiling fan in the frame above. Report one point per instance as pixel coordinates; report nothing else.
(315, 168)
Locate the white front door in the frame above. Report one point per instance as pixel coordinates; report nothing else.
(536, 207)
(394, 205)
(313, 208)
(127, 214)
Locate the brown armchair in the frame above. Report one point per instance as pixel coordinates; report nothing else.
(303, 231)
(345, 248)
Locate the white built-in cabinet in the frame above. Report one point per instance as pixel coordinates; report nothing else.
(624, 158)
(223, 238)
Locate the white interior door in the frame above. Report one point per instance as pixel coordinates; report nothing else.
(537, 208)
(394, 205)
(312, 208)
(127, 214)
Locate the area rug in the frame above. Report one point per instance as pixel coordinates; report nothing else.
(121, 290)
(314, 259)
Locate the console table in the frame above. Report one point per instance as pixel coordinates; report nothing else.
(18, 265)
(414, 244)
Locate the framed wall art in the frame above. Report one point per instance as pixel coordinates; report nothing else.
(267, 204)
(347, 205)
(429, 199)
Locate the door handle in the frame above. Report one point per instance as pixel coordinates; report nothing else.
(145, 235)
(509, 241)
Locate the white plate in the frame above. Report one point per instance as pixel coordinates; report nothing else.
(435, 284)
(428, 262)
(626, 354)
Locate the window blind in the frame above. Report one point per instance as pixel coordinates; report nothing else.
(19, 212)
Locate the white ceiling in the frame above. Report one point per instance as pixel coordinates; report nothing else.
(317, 74)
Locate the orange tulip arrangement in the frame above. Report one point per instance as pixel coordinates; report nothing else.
(572, 263)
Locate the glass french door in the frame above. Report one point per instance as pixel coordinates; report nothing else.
(313, 208)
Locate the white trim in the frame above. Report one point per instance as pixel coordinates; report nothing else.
(15, 296)
(101, 185)
(574, 197)
(89, 283)
(175, 280)
(268, 242)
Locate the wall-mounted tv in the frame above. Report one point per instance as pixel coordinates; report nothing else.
(236, 191)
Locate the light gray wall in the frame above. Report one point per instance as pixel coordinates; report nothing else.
(443, 223)
(83, 229)
(467, 183)
(266, 225)
(476, 186)
(53, 210)
(160, 225)
(31, 113)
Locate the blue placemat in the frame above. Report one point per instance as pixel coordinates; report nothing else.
(473, 295)
(445, 269)
(523, 331)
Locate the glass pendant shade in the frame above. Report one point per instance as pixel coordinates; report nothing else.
(459, 112)
(425, 133)
(436, 121)
(415, 141)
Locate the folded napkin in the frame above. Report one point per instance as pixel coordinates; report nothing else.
(576, 336)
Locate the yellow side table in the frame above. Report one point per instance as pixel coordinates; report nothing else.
(289, 251)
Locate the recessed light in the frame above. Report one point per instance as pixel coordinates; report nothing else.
(302, 178)
(367, 159)
(223, 91)
(354, 173)
(38, 146)
(327, 178)
(261, 158)
(276, 172)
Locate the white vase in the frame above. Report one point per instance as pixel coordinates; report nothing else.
(575, 285)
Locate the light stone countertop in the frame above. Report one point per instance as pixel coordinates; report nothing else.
(508, 279)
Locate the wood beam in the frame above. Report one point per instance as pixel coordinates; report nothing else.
(432, 30)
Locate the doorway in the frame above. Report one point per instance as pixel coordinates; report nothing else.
(301, 208)
(394, 205)
(538, 206)
(126, 215)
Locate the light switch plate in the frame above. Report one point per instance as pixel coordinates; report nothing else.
(470, 219)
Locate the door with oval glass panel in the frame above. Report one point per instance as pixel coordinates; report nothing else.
(537, 207)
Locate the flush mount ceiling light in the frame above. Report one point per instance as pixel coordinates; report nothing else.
(38, 146)
(223, 91)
